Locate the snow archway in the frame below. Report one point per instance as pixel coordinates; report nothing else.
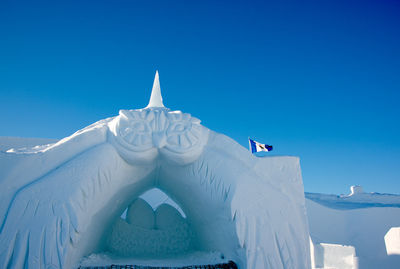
(61, 199)
(208, 216)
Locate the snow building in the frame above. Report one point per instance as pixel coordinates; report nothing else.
(62, 203)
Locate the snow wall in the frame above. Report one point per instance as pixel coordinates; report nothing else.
(392, 241)
(59, 202)
(362, 228)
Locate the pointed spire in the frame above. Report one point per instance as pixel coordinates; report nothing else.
(156, 98)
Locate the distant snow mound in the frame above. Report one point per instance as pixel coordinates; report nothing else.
(356, 190)
(356, 199)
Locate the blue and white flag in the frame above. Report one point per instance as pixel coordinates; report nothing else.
(257, 147)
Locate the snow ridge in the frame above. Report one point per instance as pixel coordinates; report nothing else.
(359, 200)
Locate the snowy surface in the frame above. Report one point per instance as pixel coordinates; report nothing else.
(195, 258)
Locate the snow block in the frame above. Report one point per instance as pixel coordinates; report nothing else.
(392, 241)
(333, 256)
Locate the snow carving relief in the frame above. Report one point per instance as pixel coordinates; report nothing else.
(144, 134)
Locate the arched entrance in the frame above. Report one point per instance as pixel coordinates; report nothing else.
(191, 229)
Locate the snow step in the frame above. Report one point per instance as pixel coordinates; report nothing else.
(229, 265)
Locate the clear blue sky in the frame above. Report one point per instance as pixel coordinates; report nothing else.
(316, 79)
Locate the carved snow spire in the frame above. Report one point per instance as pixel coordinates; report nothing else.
(156, 98)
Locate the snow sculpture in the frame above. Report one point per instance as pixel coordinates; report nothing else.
(58, 203)
(142, 135)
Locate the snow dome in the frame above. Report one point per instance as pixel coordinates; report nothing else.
(63, 203)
